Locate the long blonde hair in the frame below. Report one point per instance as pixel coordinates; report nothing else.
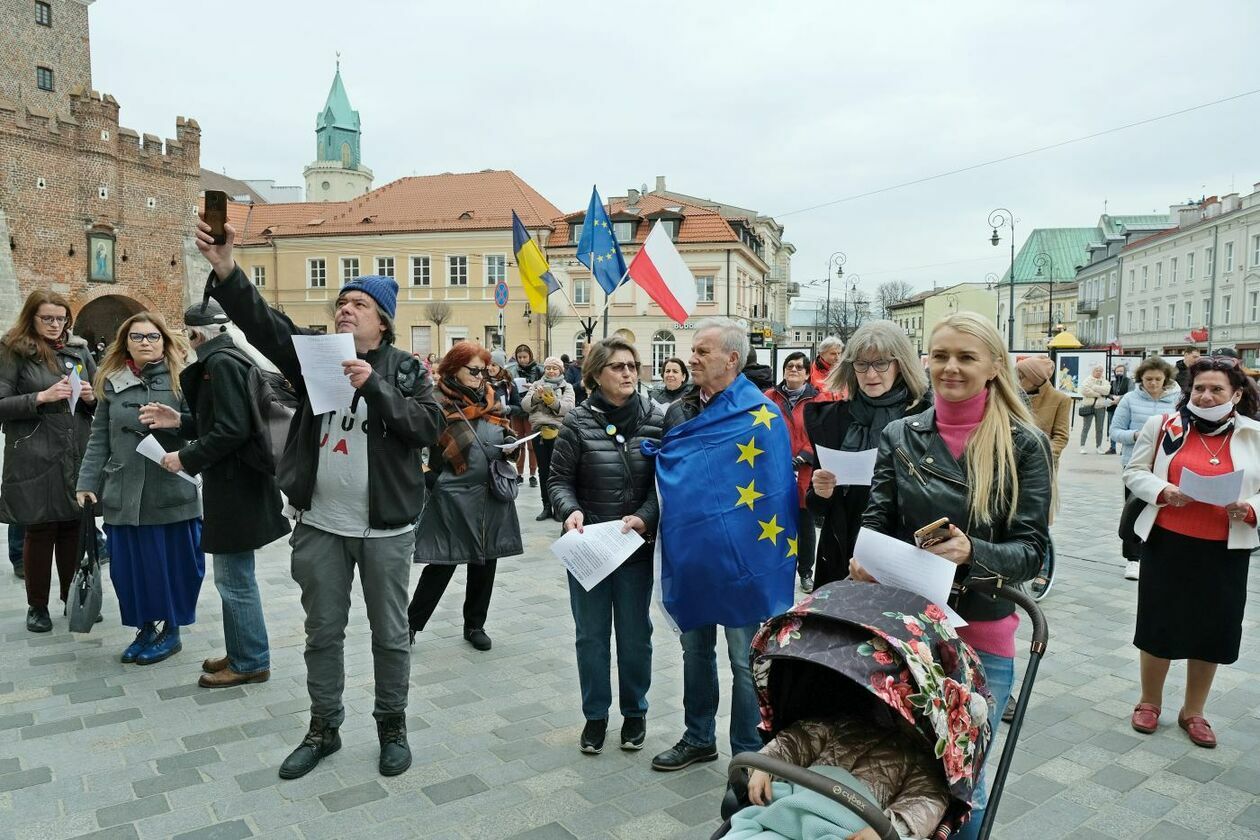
(174, 351)
(992, 464)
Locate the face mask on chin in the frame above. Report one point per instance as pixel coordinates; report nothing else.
(1215, 414)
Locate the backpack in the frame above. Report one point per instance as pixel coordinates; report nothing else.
(272, 404)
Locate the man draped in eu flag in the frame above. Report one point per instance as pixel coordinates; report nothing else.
(727, 532)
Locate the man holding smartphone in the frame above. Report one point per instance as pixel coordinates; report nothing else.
(355, 486)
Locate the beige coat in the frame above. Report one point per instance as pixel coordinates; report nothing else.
(1096, 391)
(1052, 411)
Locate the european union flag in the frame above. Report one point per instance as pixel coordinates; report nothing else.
(597, 247)
(728, 513)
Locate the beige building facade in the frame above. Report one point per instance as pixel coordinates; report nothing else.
(919, 314)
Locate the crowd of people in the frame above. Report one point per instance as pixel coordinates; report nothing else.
(425, 465)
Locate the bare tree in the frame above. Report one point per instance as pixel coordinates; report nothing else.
(439, 312)
(845, 314)
(889, 293)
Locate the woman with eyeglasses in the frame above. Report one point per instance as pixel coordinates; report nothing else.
(464, 523)
(1193, 589)
(46, 433)
(600, 474)
(882, 374)
(152, 516)
(792, 395)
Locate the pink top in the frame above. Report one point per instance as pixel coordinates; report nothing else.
(957, 420)
(995, 637)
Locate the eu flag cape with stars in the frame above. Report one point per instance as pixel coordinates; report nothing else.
(728, 513)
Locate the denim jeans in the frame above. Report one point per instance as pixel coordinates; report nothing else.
(999, 671)
(244, 629)
(619, 601)
(17, 539)
(700, 688)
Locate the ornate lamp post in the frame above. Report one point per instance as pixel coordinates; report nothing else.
(838, 260)
(999, 218)
(1046, 262)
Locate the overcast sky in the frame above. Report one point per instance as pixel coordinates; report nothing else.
(773, 106)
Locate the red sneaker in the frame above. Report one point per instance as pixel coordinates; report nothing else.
(1199, 730)
(1145, 718)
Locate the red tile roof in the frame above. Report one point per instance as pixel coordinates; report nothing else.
(700, 224)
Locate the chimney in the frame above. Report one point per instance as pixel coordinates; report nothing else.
(660, 184)
(1229, 203)
(1188, 215)
(632, 198)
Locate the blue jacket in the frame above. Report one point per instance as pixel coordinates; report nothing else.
(1135, 408)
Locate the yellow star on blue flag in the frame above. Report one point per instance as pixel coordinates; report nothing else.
(748, 495)
(749, 452)
(792, 547)
(597, 248)
(762, 416)
(770, 530)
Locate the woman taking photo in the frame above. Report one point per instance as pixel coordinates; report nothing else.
(976, 458)
(464, 523)
(881, 370)
(1095, 393)
(1157, 393)
(1194, 612)
(599, 474)
(792, 396)
(152, 517)
(44, 444)
(674, 379)
(548, 401)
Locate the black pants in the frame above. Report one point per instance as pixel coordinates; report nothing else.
(43, 541)
(806, 540)
(543, 449)
(1130, 549)
(433, 581)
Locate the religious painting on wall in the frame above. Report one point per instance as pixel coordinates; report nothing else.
(101, 257)
(1074, 366)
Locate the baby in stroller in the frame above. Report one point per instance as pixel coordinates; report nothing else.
(870, 687)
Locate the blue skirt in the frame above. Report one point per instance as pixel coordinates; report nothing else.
(157, 571)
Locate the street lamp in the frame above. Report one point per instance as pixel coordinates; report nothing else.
(1046, 262)
(991, 282)
(838, 260)
(999, 218)
(850, 284)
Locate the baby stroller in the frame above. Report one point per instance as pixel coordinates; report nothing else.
(893, 644)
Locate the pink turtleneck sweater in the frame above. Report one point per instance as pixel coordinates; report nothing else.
(956, 421)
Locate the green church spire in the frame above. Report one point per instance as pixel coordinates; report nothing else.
(337, 128)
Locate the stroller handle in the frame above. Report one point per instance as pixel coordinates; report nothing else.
(821, 785)
(1024, 601)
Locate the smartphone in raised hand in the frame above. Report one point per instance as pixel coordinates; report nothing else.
(216, 215)
(932, 533)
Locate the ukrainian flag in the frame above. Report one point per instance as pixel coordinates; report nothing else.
(532, 265)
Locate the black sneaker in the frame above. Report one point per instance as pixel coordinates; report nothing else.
(593, 736)
(633, 733)
(533, 481)
(683, 755)
(520, 479)
(807, 584)
(37, 620)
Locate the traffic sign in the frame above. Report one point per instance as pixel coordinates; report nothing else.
(501, 294)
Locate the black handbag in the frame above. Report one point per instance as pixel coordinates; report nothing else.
(1086, 411)
(1128, 519)
(84, 607)
(503, 485)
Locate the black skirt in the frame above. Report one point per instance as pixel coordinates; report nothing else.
(1191, 598)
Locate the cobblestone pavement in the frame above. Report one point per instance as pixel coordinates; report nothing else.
(90, 747)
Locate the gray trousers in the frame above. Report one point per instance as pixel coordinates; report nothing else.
(323, 566)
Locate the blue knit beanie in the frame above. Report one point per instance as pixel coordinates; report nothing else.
(383, 290)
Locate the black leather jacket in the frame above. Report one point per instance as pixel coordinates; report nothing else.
(917, 481)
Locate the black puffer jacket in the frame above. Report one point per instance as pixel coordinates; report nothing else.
(606, 480)
(917, 481)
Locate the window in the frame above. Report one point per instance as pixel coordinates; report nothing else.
(316, 273)
(496, 269)
(1189, 266)
(456, 271)
(43, 13)
(1229, 256)
(44, 78)
(349, 269)
(102, 193)
(1132, 282)
(1155, 318)
(260, 275)
(1209, 262)
(575, 232)
(420, 271)
(150, 202)
(1172, 316)
(624, 231)
(704, 288)
(1113, 288)
(1253, 306)
(1226, 300)
(1255, 250)
(671, 227)
(796, 335)
(1145, 273)
(1189, 313)
(663, 347)
(581, 291)
(1159, 274)
(1111, 327)
(1207, 311)
(1142, 320)
(1129, 320)
(1172, 271)
(385, 266)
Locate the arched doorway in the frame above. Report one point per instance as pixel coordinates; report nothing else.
(99, 319)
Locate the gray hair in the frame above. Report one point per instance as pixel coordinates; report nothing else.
(890, 342)
(238, 338)
(732, 335)
(830, 342)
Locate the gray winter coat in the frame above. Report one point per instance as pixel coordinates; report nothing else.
(132, 489)
(463, 521)
(43, 444)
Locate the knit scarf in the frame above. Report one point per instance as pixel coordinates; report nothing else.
(459, 401)
(626, 417)
(869, 415)
(792, 395)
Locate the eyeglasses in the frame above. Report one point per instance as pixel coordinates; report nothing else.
(880, 365)
(794, 367)
(622, 367)
(52, 319)
(473, 371)
(141, 338)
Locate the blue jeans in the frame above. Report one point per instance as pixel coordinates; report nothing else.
(17, 538)
(999, 671)
(700, 688)
(620, 600)
(244, 629)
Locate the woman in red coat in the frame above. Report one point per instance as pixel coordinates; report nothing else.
(791, 395)
(829, 352)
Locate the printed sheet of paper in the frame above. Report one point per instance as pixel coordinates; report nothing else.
(594, 555)
(326, 383)
(848, 467)
(76, 388)
(1219, 490)
(509, 446)
(895, 563)
(151, 449)
(521, 384)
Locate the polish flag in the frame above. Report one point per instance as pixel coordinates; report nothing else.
(661, 272)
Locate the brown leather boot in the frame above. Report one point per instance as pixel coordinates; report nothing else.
(227, 677)
(214, 666)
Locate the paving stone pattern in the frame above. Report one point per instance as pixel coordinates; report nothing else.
(93, 748)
